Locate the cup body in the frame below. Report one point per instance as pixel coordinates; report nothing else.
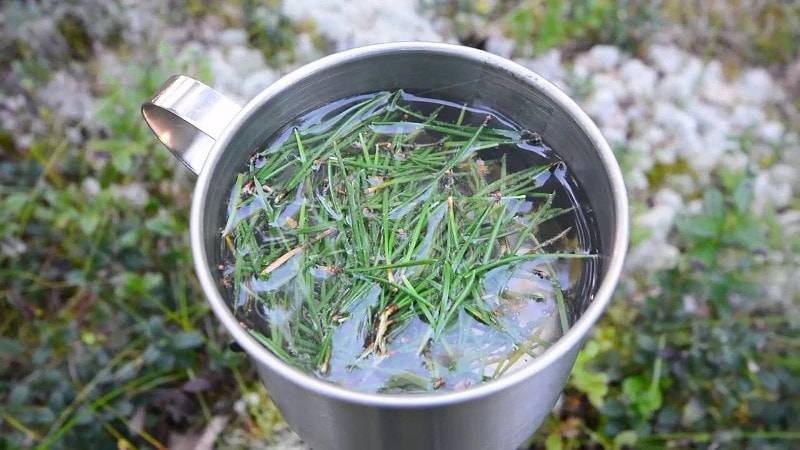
(499, 414)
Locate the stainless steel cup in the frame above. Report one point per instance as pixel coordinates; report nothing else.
(214, 137)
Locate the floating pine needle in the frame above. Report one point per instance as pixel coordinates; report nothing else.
(390, 243)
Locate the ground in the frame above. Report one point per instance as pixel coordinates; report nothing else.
(105, 339)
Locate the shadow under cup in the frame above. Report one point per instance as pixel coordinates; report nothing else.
(502, 416)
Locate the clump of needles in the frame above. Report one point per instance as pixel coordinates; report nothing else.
(380, 232)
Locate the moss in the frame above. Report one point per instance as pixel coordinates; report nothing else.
(544, 24)
(764, 32)
(73, 30)
(6, 142)
(269, 31)
(660, 171)
(779, 39)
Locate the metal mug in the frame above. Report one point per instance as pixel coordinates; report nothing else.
(214, 137)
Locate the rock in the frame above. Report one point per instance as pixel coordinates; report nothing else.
(602, 57)
(67, 97)
(680, 86)
(773, 187)
(639, 78)
(714, 88)
(133, 193)
(256, 82)
(12, 247)
(361, 22)
(735, 161)
(245, 60)
(651, 256)
(660, 218)
(771, 131)
(667, 59)
(305, 50)
(90, 186)
(756, 86)
(747, 116)
(499, 44)
(549, 66)
(232, 37)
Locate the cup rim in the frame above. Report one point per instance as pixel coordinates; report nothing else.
(571, 339)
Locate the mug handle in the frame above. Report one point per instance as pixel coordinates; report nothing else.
(188, 117)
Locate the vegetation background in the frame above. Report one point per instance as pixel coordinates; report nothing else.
(105, 338)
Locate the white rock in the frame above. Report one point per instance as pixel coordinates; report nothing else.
(639, 79)
(12, 247)
(771, 131)
(669, 198)
(652, 256)
(674, 119)
(232, 37)
(257, 81)
(74, 135)
(652, 137)
(746, 116)
(668, 59)
(683, 183)
(548, 65)
(710, 118)
(499, 44)
(245, 60)
(304, 49)
(252, 398)
(660, 218)
(134, 193)
(790, 222)
(735, 161)
(602, 57)
(680, 86)
(714, 88)
(756, 86)
(361, 22)
(773, 187)
(226, 78)
(690, 304)
(90, 186)
(240, 407)
(67, 97)
(694, 207)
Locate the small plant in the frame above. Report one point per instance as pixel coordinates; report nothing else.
(716, 371)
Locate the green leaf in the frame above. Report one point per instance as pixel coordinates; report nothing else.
(122, 161)
(626, 438)
(9, 347)
(187, 339)
(593, 384)
(701, 226)
(643, 396)
(89, 222)
(747, 233)
(553, 442)
(705, 252)
(19, 394)
(13, 203)
(163, 224)
(743, 195)
(639, 234)
(714, 203)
